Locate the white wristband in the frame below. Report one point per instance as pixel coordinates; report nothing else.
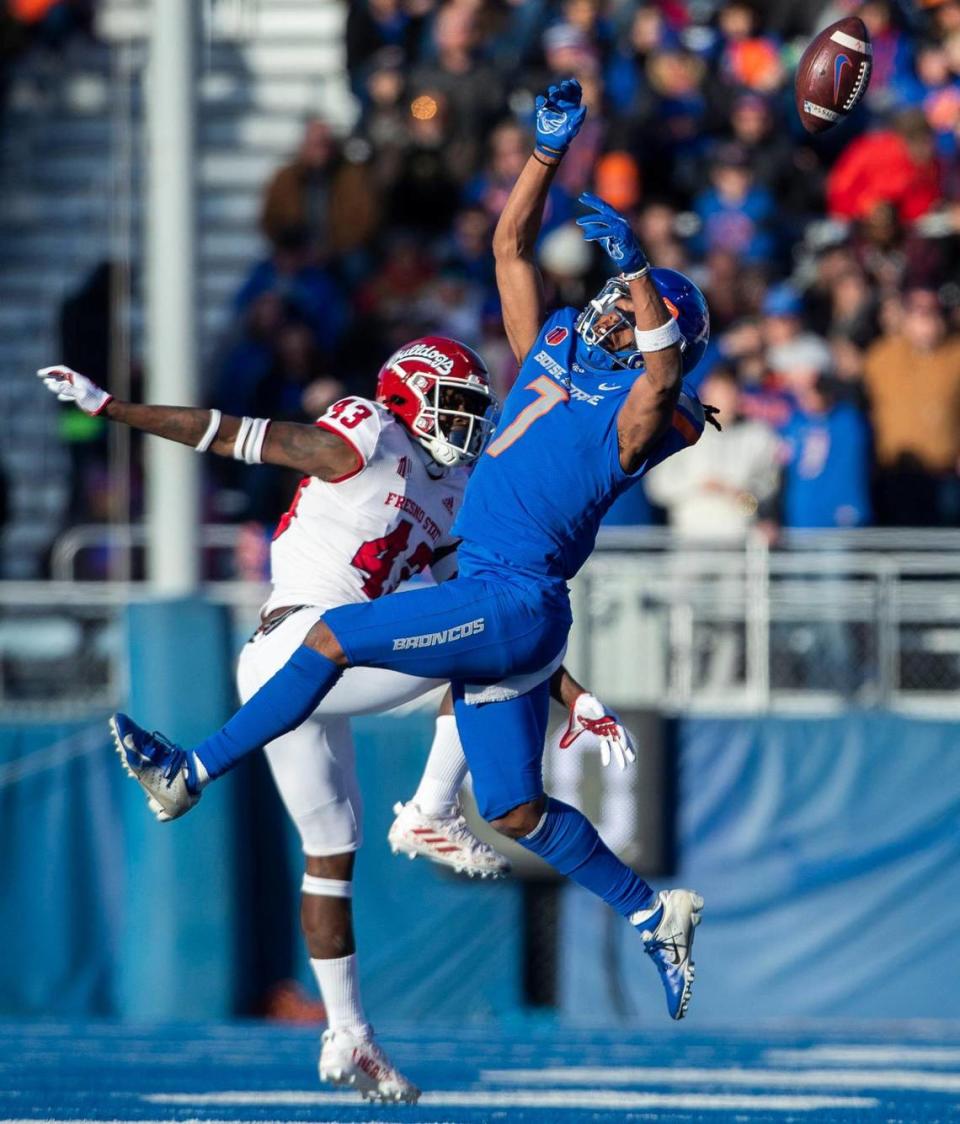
(251, 435)
(635, 276)
(658, 339)
(211, 432)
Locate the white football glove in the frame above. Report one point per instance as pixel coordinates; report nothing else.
(589, 716)
(71, 386)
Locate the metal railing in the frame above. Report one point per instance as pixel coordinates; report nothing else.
(818, 622)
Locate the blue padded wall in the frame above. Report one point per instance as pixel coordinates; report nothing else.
(829, 856)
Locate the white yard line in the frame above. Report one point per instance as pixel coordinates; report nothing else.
(745, 1078)
(866, 1055)
(530, 1098)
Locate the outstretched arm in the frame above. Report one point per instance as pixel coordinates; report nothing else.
(648, 410)
(559, 117)
(310, 450)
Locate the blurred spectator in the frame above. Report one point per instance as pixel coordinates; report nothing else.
(473, 90)
(426, 191)
(657, 226)
(912, 375)
(892, 51)
(618, 180)
(385, 114)
(468, 250)
(791, 171)
(826, 480)
(896, 166)
(893, 254)
(248, 356)
(309, 291)
(297, 364)
(374, 24)
(565, 261)
(509, 149)
(736, 214)
(748, 59)
(387, 300)
(671, 122)
(328, 197)
(717, 489)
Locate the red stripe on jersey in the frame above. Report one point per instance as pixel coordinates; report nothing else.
(685, 427)
(361, 463)
(287, 518)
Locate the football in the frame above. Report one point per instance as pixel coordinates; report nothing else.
(833, 74)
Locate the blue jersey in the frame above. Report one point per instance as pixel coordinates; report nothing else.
(552, 469)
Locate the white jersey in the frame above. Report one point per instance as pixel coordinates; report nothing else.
(359, 537)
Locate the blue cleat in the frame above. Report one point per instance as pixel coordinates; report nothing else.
(667, 934)
(165, 772)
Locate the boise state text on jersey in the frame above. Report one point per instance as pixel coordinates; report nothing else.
(552, 469)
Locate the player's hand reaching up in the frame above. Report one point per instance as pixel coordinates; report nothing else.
(599, 726)
(614, 233)
(559, 117)
(71, 386)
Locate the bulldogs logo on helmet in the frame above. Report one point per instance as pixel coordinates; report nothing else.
(440, 390)
(684, 301)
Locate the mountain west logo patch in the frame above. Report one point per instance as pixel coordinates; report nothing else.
(556, 336)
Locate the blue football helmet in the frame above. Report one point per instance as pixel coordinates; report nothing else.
(682, 298)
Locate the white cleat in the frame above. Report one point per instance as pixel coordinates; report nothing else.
(165, 772)
(360, 1064)
(667, 933)
(443, 839)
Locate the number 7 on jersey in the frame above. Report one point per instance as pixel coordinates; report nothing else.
(549, 394)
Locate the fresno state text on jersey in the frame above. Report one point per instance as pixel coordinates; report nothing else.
(359, 537)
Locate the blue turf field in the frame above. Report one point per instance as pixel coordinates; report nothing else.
(524, 1071)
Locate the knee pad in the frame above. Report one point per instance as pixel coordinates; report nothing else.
(331, 829)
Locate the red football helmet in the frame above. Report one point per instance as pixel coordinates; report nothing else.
(440, 390)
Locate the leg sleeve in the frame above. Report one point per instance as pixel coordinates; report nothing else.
(503, 743)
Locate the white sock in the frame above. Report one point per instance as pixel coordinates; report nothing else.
(203, 777)
(445, 770)
(339, 986)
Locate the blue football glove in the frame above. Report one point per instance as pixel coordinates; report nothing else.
(559, 117)
(614, 233)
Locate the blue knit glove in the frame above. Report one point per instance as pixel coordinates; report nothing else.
(559, 117)
(614, 233)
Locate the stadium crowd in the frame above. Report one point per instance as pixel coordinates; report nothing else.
(830, 264)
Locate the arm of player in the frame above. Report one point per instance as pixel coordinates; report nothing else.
(311, 450)
(559, 117)
(648, 411)
(589, 718)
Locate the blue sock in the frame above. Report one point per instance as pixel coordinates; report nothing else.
(569, 842)
(281, 705)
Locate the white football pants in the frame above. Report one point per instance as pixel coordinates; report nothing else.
(313, 766)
